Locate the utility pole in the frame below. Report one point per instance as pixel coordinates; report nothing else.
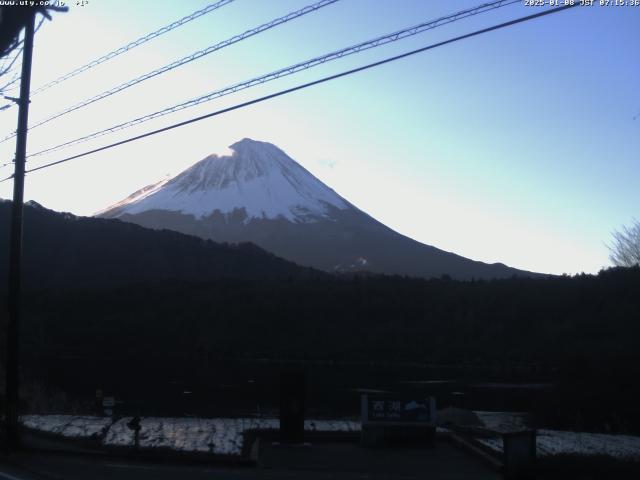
(15, 254)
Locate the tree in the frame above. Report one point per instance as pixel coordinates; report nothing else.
(625, 249)
(13, 18)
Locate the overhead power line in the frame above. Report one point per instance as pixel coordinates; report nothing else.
(307, 64)
(305, 85)
(190, 58)
(131, 45)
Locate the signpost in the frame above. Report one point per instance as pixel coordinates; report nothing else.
(135, 425)
(108, 403)
(519, 453)
(387, 418)
(292, 403)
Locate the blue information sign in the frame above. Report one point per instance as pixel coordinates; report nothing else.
(381, 409)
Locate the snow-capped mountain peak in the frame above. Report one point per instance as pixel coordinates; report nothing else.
(257, 177)
(261, 195)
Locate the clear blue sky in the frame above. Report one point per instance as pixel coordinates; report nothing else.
(519, 146)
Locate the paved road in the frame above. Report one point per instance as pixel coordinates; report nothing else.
(319, 462)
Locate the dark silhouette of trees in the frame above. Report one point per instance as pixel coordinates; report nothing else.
(111, 303)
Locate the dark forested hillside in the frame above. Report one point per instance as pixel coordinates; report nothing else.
(65, 251)
(110, 303)
(579, 331)
(549, 321)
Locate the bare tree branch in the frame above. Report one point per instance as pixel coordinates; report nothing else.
(8, 65)
(7, 86)
(625, 248)
(4, 70)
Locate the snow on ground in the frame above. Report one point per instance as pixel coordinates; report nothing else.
(331, 426)
(68, 425)
(184, 434)
(224, 436)
(503, 422)
(220, 436)
(555, 442)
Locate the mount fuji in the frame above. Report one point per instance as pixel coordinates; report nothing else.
(259, 194)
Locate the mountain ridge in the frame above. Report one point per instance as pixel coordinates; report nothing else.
(63, 250)
(261, 195)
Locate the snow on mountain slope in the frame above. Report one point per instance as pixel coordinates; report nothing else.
(135, 197)
(258, 177)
